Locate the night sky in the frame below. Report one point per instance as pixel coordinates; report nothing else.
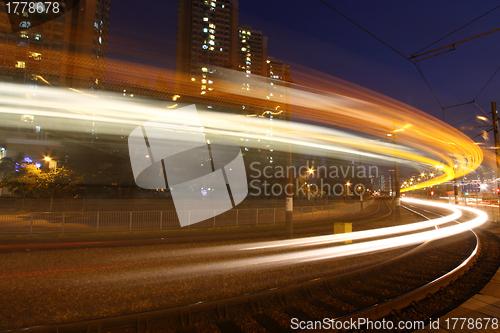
(311, 34)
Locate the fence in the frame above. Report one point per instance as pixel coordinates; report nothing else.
(66, 222)
(492, 210)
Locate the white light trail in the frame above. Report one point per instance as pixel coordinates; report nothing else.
(261, 260)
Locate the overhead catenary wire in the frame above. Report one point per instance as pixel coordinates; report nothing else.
(389, 46)
(491, 78)
(416, 63)
(456, 30)
(365, 30)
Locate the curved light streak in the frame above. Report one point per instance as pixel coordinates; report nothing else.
(67, 108)
(298, 256)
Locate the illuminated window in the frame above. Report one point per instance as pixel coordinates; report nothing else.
(243, 49)
(204, 69)
(212, 37)
(212, 31)
(27, 118)
(35, 55)
(205, 19)
(205, 47)
(244, 41)
(211, 25)
(38, 36)
(203, 87)
(205, 30)
(21, 64)
(243, 32)
(210, 81)
(211, 42)
(203, 81)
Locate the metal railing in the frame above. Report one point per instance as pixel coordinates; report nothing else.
(97, 222)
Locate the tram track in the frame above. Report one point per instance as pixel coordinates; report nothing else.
(371, 291)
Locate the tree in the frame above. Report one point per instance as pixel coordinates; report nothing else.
(31, 181)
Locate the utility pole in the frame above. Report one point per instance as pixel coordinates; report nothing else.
(455, 185)
(396, 181)
(497, 145)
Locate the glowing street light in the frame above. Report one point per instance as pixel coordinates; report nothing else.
(46, 158)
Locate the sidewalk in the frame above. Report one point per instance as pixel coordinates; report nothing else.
(480, 307)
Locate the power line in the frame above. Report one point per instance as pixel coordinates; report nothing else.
(487, 115)
(451, 33)
(416, 63)
(392, 48)
(428, 85)
(365, 30)
(491, 78)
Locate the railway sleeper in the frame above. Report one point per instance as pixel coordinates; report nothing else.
(297, 313)
(392, 283)
(281, 299)
(422, 309)
(370, 293)
(334, 310)
(221, 312)
(228, 326)
(268, 323)
(306, 292)
(349, 300)
(441, 302)
(187, 329)
(254, 305)
(185, 319)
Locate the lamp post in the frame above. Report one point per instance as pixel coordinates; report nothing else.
(397, 195)
(497, 144)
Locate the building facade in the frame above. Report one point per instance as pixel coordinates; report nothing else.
(69, 51)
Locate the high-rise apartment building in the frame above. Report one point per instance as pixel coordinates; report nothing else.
(207, 35)
(252, 51)
(67, 51)
(277, 70)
